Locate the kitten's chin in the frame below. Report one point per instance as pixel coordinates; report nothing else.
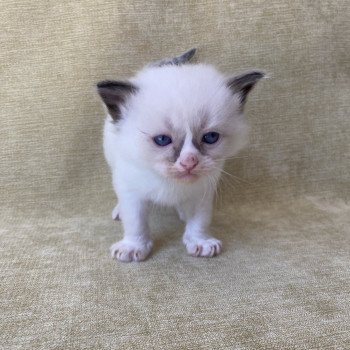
(187, 177)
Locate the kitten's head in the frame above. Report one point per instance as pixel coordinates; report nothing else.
(180, 121)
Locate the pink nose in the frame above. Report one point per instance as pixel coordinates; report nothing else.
(189, 162)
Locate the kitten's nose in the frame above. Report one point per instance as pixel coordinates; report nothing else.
(189, 162)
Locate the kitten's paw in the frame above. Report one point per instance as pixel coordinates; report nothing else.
(127, 251)
(204, 247)
(115, 213)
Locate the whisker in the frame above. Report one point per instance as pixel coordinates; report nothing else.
(217, 193)
(226, 182)
(204, 195)
(213, 186)
(234, 177)
(233, 157)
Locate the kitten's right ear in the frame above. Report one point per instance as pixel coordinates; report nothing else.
(114, 94)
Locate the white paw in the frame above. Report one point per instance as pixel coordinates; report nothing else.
(205, 247)
(127, 251)
(115, 213)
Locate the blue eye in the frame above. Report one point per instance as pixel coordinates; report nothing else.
(162, 140)
(210, 137)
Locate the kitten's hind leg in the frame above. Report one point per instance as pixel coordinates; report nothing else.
(115, 213)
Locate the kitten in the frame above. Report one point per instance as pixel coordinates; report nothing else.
(166, 137)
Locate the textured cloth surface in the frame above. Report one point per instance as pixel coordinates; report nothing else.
(282, 281)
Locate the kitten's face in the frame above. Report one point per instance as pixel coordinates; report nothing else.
(185, 122)
(184, 154)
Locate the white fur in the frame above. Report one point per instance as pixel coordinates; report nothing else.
(186, 97)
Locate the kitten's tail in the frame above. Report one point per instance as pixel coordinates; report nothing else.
(177, 60)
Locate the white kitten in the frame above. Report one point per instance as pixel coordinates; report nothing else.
(166, 137)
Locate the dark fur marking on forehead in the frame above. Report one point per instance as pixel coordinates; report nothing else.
(198, 144)
(178, 149)
(198, 131)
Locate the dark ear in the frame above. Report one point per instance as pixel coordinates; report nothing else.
(114, 94)
(243, 83)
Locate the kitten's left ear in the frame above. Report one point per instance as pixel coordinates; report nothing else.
(114, 94)
(242, 84)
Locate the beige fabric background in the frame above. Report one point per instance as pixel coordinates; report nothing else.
(282, 281)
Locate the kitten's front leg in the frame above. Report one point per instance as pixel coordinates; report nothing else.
(136, 244)
(196, 238)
